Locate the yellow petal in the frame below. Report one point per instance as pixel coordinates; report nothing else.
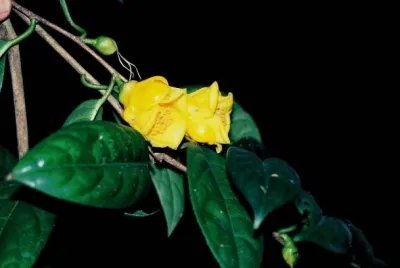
(173, 94)
(205, 98)
(181, 104)
(200, 131)
(142, 121)
(214, 96)
(147, 119)
(148, 93)
(169, 129)
(125, 92)
(225, 103)
(157, 78)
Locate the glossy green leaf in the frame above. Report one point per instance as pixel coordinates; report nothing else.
(95, 163)
(361, 250)
(86, 111)
(171, 192)
(140, 214)
(2, 64)
(24, 230)
(224, 222)
(332, 234)
(7, 162)
(311, 213)
(266, 185)
(242, 123)
(252, 145)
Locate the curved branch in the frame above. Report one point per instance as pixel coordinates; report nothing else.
(74, 38)
(72, 61)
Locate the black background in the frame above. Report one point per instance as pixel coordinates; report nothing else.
(315, 78)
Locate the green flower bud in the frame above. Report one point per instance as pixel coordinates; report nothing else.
(105, 45)
(290, 255)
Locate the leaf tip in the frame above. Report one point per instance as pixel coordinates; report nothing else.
(9, 177)
(257, 223)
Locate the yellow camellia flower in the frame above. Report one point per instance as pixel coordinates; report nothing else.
(155, 109)
(209, 116)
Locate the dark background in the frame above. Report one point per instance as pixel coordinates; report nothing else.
(315, 78)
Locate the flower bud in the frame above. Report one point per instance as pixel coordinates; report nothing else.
(290, 255)
(105, 45)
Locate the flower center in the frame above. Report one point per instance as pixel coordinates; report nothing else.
(163, 121)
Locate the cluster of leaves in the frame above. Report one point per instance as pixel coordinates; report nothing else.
(102, 164)
(105, 164)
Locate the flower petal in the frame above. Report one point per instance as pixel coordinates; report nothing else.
(169, 129)
(142, 121)
(148, 93)
(200, 130)
(126, 91)
(225, 103)
(205, 98)
(173, 94)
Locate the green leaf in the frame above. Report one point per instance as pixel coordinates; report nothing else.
(7, 162)
(2, 64)
(24, 230)
(331, 234)
(361, 249)
(86, 111)
(311, 213)
(91, 109)
(265, 185)
(171, 192)
(98, 163)
(140, 214)
(223, 220)
(242, 123)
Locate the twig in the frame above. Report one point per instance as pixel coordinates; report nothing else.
(163, 157)
(18, 89)
(74, 63)
(278, 238)
(74, 38)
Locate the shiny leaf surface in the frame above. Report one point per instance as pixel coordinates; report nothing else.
(243, 125)
(98, 163)
(266, 185)
(332, 234)
(311, 213)
(86, 111)
(7, 162)
(224, 222)
(171, 192)
(24, 229)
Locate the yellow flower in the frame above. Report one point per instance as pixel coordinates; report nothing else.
(155, 109)
(209, 116)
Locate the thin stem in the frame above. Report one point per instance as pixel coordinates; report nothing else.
(87, 84)
(71, 60)
(108, 91)
(18, 39)
(18, 90)
(288, 229)
(64, 7)
(74, 38)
